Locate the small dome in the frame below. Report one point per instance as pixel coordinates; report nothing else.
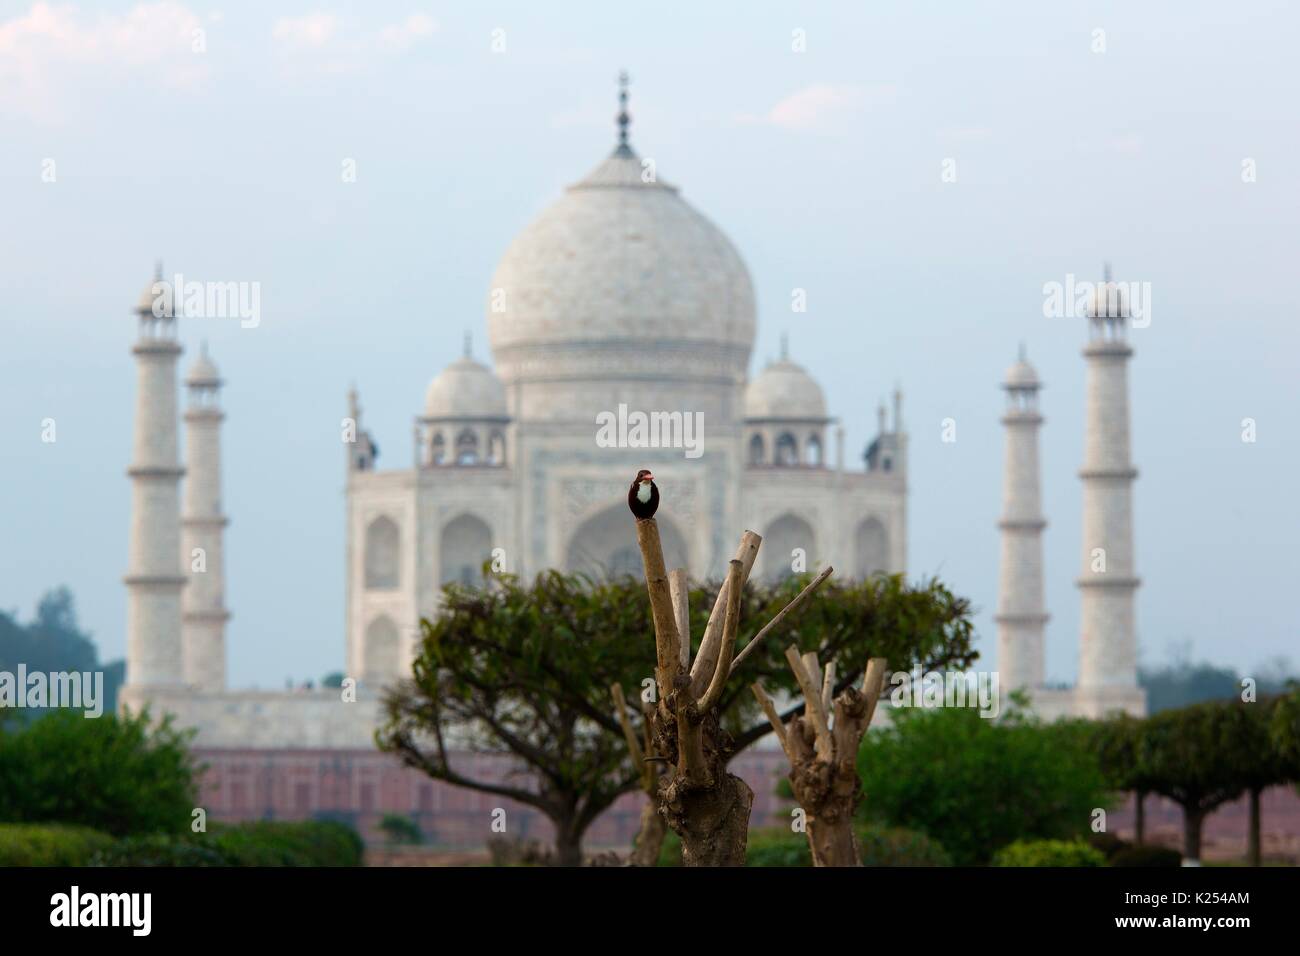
(148, 297)
(785, 390)
(1021, 375)
(1107, 301)
(465, 389)
(203, 372)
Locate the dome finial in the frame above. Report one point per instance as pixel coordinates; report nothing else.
(1022, 352)
(785, 346)
(469, 344)
(624, 120)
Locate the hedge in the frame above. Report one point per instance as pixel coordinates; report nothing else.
(53, 844)
(1144, 854)
(311, 843)
(780, 846)
(1048, 853)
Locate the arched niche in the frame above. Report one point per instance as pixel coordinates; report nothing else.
(782, 537)
(605, 545)
(383, 554)
(870, 548)
(466, 542)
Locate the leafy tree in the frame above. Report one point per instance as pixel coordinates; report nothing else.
(526, 670)
(116, 774)
(334, 679)
(1188, 756)
(1116, 742)
(975, 784)
(1257, 760)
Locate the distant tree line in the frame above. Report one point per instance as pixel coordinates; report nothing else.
(1203, 756)
(53, 641)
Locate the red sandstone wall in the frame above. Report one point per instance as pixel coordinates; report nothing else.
(361, 786)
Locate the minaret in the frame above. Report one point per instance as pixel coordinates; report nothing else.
(154, 579)
(1021, 617)
(203, 632)
(1108, 583)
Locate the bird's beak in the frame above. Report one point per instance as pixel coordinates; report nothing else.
(647, 478)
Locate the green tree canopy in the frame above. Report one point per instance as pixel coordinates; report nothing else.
(116, 774)
(977, 785)
(526, 670)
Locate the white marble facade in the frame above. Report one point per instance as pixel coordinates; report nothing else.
(618, 294)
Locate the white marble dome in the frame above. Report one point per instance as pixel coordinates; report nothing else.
(784, 390)
(618, 264)
(465, 389)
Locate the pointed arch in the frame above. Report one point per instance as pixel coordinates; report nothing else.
(605, 545)
(465, 543)
(870, 548)
(383, 554)
(781, 539)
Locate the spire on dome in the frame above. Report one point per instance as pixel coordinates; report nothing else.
(623, 149)
(785, 346)
(469, 343)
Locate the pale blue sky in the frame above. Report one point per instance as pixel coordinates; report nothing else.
(824, 169)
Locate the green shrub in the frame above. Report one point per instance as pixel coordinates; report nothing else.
(27, 844)
(401, 829)
(156, 849)
(1048, 853)
(777, 846)
(307, 843)
(116, 774)
(1107, 844)
(670, 851)
(1144, 854)
(975, 784)
(895, 846)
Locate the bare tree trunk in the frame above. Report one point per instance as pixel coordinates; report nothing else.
(822, 747)
(1192, 819)
(650, 836)
(713, 822)
(568, 844)
(703, 804)
(1252, 837)
(1139, 817)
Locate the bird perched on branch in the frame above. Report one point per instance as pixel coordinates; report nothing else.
(643, 496)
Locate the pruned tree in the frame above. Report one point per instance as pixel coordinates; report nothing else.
(1259, 762)
(1116, 740)
(707, 807)
(1185, 759)
(822, 747)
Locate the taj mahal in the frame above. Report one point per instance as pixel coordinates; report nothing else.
(619, 298)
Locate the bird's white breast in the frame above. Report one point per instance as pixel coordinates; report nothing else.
(643, 492)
